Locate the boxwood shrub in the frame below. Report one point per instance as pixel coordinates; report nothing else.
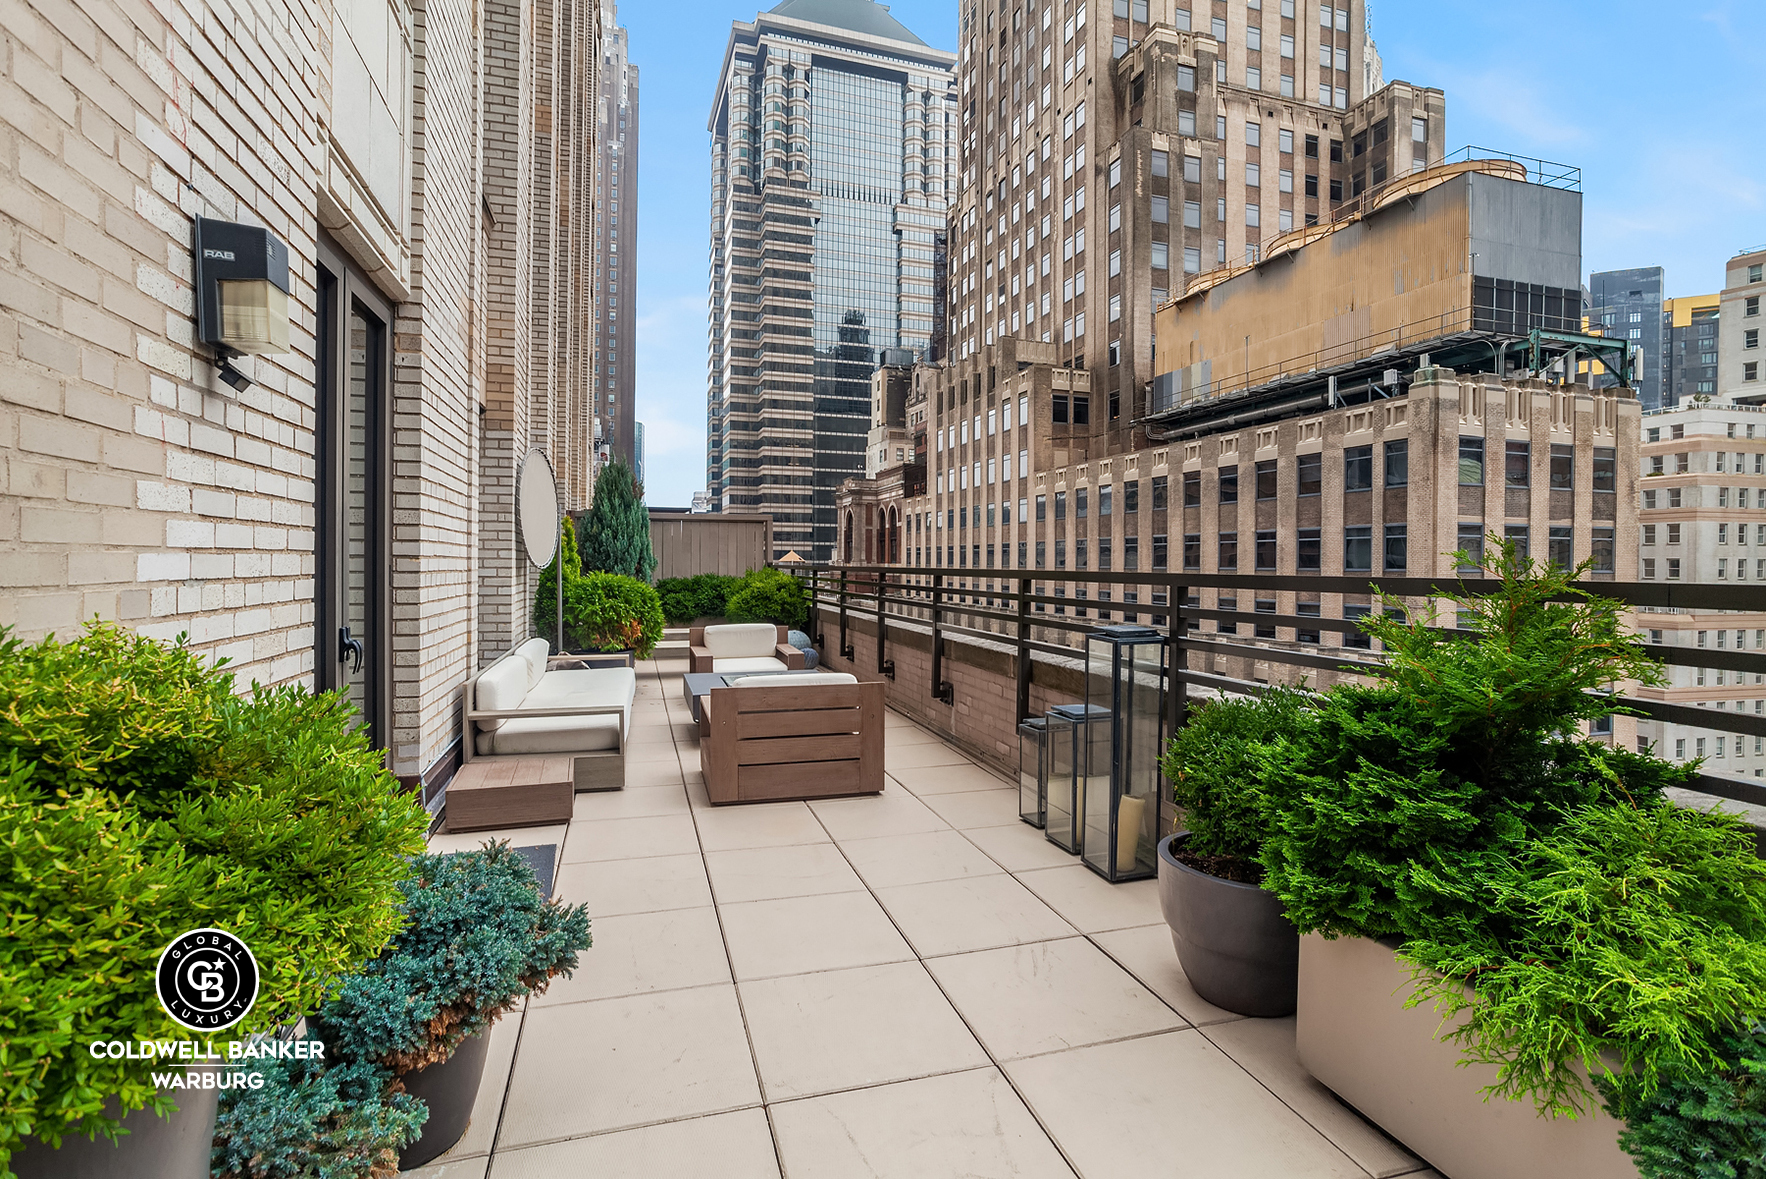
(704, 595)
(768, 595)
(141, 797)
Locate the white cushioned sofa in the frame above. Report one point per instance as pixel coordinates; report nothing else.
(742, 646)
(517, 707)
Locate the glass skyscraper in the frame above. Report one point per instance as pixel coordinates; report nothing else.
(833, 149)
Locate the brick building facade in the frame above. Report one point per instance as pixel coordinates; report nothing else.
(420, 162)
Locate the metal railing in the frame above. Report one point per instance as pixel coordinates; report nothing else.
(976, 604)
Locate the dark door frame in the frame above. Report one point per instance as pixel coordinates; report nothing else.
(341, 289)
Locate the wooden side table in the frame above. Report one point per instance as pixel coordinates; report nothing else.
(511, 792)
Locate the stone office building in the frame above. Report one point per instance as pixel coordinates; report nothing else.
(423, 165)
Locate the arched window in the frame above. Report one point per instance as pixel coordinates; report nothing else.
(849, 537)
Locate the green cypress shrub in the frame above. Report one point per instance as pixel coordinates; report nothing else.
(616, 528)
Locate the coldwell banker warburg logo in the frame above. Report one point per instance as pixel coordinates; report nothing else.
(207, 980)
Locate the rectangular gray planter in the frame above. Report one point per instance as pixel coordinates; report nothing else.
(1356, 1036)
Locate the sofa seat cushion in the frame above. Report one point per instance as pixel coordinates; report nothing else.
(502, 685)
(587, 687)
(741, 640)
(754, 664)
(553, 734)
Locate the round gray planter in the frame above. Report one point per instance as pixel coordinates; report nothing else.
(1236, 946)
(449, 1089)
(154, 1148)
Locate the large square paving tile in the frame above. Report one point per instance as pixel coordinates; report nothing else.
(975, 808)
(634, 802)
(1265, 1049)
(1120, 1108)
(843, 1029)
(909, 734)
(948, 779)
(767, 873)
(893, 812)
(1092, 903)
(890, 860)
(761, 824)
(1047, 996)
(614, 887)
(979, 913)
(583, 1068)
(796, 935)
(730, 1146)
(934, 753)
(645, 952)
(1019, 847)
(1147, 953)
(661, 772)
(472, 1168)
(630, 839)
(960, 1126)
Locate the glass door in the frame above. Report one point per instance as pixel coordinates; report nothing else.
(352, 640)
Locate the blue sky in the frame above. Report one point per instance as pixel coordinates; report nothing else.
(1655, 103)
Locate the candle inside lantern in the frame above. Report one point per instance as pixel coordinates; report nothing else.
(1129, 812)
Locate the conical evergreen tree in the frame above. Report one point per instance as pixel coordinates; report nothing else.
(545, 601)
(616, 529)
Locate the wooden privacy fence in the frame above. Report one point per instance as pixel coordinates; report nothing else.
(709, 542)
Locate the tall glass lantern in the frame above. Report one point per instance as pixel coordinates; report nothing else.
(1124, 695)
(1069, 728)
(1033, 770)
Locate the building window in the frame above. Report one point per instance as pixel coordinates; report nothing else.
(1310, 472)
(1228, 481)
(1159, 493)
(1308, 551)
(1358, 548)
(1266, 479)
(1060, 505)
(1358, 468)
(1471, 462)
(1470, 540)
(1192, 490)
(1265, 554)
(1131, 553)
(1397, 556)
(1398, 463)
(1673, 569)
(1517, 458)
(1228, 552)
(1602, 550)
(1649, 568)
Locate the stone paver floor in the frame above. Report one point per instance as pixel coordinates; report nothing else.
(909, 986)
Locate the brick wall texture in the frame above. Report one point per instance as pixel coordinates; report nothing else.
(134, 484)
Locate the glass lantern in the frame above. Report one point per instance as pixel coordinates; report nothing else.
(1033, 770)
(1069, 733)
(1119, 804)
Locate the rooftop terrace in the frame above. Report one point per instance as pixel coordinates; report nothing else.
(914, 984)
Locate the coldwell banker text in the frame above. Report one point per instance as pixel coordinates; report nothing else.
(199, 1057)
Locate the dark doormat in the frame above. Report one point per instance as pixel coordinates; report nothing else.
(542, 858)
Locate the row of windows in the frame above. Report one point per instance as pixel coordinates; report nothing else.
(1670, 533)
(1671, 566)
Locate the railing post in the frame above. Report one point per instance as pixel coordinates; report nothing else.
(815, 611)
(1176, 695)
(1023, 648)
(940, 689)
(884, 666)
(845, 647)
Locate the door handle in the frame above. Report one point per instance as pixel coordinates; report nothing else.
(350, 650)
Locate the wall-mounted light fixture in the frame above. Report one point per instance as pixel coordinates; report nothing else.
(241, 292)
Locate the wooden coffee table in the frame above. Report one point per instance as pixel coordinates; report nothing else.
(512, 792)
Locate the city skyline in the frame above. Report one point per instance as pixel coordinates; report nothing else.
(1637, 213)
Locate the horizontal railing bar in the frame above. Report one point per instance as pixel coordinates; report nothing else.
(1690, 596)
(1734, 789)
(1280, 655)
(1698, 718)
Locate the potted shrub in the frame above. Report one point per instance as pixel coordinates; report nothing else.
(1236, 946)
(768, 595)
(607, 613)
(141, 798)
(1547, 919)
(480, 938)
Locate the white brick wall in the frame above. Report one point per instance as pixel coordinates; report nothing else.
(136, 486)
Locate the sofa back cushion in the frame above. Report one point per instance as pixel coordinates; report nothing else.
(502, 685)
(814, 679)
(741, 640)
(536, 652)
